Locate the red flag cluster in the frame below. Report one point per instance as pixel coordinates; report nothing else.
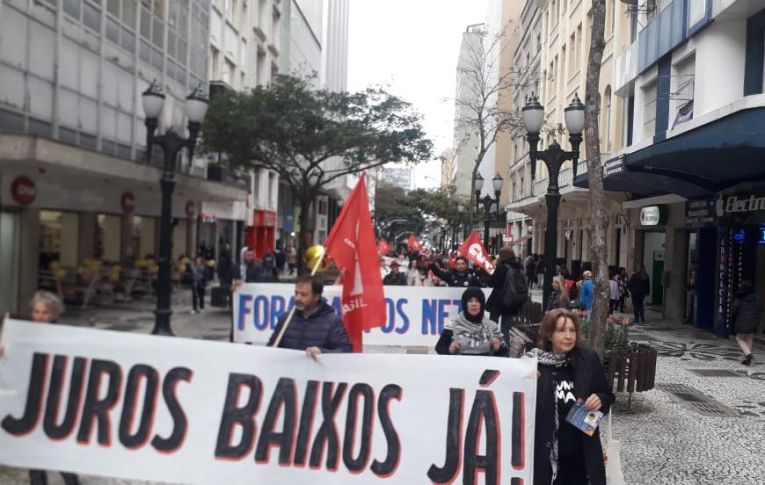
(473, 249)
(383, 247)
(414, 244)
(351, 244)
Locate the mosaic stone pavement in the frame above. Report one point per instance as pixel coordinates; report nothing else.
(663, 441)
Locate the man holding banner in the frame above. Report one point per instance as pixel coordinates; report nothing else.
(315, 326)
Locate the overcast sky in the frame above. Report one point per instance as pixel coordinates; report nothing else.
(410, 47)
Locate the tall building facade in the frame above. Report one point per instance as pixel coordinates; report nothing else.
(681, 107)
(75, 185)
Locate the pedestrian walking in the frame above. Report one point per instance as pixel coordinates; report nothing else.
(292, 258)
(46, 308)
(541, 265)
(639, 286)
(622, 279)
(510, 291)
(745, 318)
(472, 332)
(613, 293)
(588, 291)
(315, 327)
(198, 271)
(280, 257)
(558, 298)
(530, 265)
(568, 373)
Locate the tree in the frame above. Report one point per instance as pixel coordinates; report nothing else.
(439, 206)
(479, 111)
(394, 211)
(598, 249)
(311, 137)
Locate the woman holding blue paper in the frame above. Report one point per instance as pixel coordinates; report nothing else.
(571, 378)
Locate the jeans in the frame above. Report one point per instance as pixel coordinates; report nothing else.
(40, 477)
(505, 321)
(198, 295)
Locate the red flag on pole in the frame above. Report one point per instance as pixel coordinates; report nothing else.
(351, 244)
(473, 249)
(413, 243)
(383, 247)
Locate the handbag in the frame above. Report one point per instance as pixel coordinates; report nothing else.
(614, 474)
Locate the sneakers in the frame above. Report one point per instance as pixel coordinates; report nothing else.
(747, 360)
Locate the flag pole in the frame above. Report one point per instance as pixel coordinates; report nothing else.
(287, 322)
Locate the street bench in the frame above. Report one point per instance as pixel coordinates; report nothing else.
(632, 369)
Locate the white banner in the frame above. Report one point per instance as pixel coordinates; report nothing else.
(416, 314)
(200, 412)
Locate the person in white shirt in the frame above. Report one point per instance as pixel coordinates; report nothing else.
(614, 293)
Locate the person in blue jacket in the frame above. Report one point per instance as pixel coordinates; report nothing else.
(315, 327)
(588, 288)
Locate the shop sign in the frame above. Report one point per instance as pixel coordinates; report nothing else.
(653, 215)
(700, 211)
(23, 190)
(743, 204)
(191, 209)
(127, 202)
(613, 166)
(265, 218)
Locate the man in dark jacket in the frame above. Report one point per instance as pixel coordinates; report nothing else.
(499, 313)
(315, 327)
(639, 286)
(460, 277)
(394, 277)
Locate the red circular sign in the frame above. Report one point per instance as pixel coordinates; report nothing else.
(128, 202)
(23, 190)
(191, 209)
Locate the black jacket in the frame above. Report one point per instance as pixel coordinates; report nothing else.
(457, 279)
(589, 378)
(323, 329)
(395, 279)
(745, 313)
(497, 281)
(639, 286)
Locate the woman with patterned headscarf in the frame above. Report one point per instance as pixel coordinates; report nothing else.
(472, 332)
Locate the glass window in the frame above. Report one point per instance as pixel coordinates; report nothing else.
(145, 24)
(113, 7)
(158, 32)
(72, 7)
(59, 232)
(92, 17)
(128, 40)
(108, 238)
(129, 13)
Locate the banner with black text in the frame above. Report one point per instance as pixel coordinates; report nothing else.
(201, 412)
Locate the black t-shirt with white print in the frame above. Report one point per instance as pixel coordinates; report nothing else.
(569, 437)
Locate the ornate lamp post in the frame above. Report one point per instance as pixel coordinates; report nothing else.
(553, 158)
(171, 144)
(488, 202)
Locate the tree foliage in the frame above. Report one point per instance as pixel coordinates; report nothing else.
(394, 211)
(312, 137)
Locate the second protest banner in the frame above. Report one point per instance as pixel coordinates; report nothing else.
(199, 412)
(416, 315)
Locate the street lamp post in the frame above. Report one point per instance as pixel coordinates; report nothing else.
(488, 202)
(553, 157)
(171, 144)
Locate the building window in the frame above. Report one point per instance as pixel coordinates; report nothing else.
(607, 118)
(59, 233)
(649, 110)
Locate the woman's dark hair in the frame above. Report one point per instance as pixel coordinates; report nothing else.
(473, 292)
(413, 262)
(550, 324)
(506, 255)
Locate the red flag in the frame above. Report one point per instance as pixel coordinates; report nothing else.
(452, 261)
(473, 249)
(413, 243)
(351, 244)
(383, 247)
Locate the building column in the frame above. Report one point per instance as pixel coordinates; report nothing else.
(675, 257)
(29, 251)
(87, 233)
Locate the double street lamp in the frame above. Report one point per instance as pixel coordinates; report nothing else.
(488, 202)
(554, 157)
(171, 144)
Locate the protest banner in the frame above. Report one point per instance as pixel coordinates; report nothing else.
(416, 315)
(201, 412)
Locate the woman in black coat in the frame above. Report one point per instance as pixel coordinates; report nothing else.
(568, 373)
(745, 318)
(497, 310)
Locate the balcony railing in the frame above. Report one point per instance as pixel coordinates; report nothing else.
(565, 179)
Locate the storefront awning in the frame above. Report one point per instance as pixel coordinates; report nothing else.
(695, 163)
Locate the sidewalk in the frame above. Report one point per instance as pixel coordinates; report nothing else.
(702, 425)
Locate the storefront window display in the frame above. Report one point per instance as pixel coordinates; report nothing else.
(59, 233)
(108, 238)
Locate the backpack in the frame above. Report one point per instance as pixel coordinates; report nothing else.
(515, 289)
